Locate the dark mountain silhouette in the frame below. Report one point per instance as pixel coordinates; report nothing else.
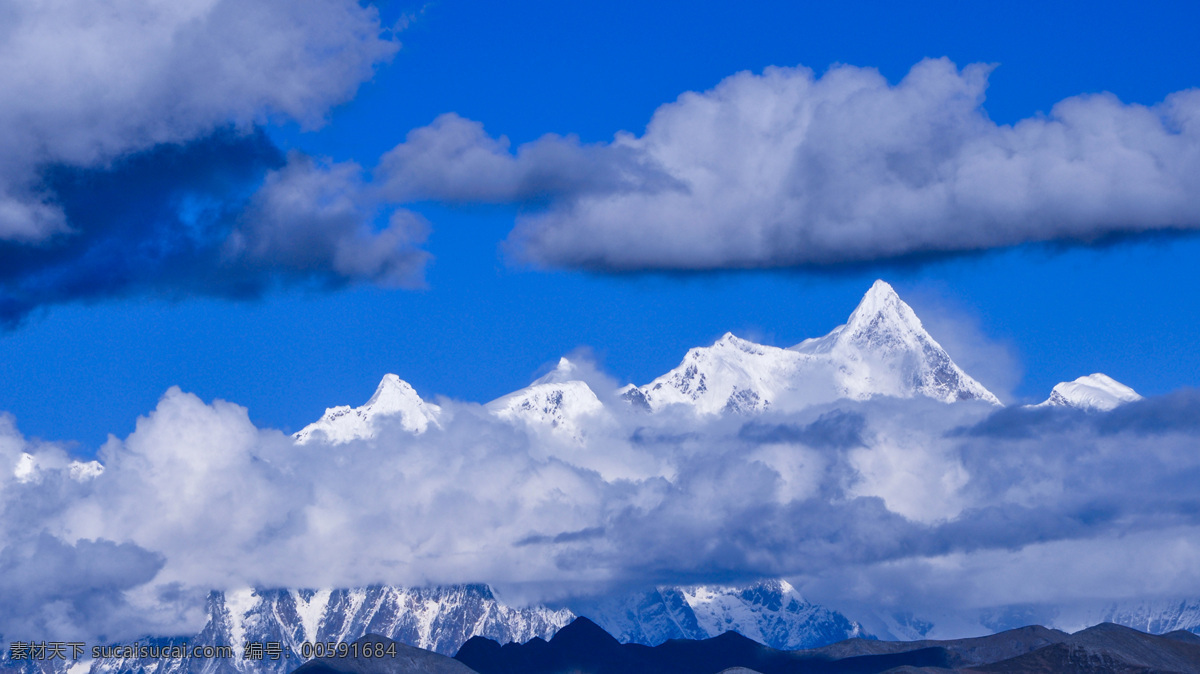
(1108, 648)
(583, 647)
(407, 660)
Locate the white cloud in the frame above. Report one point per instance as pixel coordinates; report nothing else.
(787, 168)
(893, 494)
(453, 159)
(86, 83)
(131, 139)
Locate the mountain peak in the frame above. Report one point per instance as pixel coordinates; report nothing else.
(585, 635)
(565, 370)
(732, 341)
(884, 349)
(393, 396)
(882, 308)
(880, 292)
(558, 401)
(1096, 391)
(881, 350)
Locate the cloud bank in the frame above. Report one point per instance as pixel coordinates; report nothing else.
(132, 161)
(132, 158)
(790, 169)
(901, 504)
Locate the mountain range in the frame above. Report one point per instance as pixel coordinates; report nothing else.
(882, 350)
(583, 646)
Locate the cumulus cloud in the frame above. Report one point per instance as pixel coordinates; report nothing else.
(76, 587)
(310, 218)
(787, 168)
(132, 150)
(453, 159)
(857, 501)
(227, 215)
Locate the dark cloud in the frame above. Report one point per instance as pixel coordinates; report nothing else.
(565, 537)
(51, 589)
(1177, 412)
(1012, 423)
(133, 161)
(833, 430)
(85, 85)
(227, 215)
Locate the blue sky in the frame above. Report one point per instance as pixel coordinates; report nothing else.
(276, 202)
(483, 324)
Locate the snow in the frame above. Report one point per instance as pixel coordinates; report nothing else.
(1156, 616)
(239, 604)
(881, 350)
(26, 469)
(554, 401)
(310, 611)
(771, 612)
(393, 397)
(732, 375)
(82, 471)
(1097, 392)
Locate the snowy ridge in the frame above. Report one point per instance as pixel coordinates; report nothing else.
(881, 350)
(884, 350)
(770, 612)
(30, 468)
(393, 397)
(557, 401)
(1155, 616)
(1098, 392)
(732, 375)
(436, 618)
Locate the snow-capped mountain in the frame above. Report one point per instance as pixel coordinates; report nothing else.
(1155, 616)
(884, 350)
(732, 375)
(1098, 392)
(443, 618)
(881, 350)
(770, 612)
(393, 398)
(558, 401)
(29, 468)
(439, 619)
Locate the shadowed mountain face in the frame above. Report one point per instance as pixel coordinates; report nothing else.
(582, 646)
(1109, 648)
